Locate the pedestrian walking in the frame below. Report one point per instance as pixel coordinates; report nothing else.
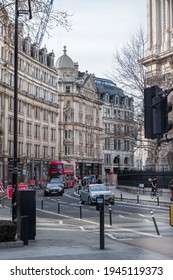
(153, 187)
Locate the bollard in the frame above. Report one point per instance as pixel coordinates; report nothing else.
(110, 214)
(121, 197)
(80, 208)
(138, 197)
(58, 206)
(157, 199)
(154, 221)
(42, 203)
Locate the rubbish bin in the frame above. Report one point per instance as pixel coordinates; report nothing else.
(26, 207)
(171, 214)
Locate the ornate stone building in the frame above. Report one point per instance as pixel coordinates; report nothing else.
(159, 62)
(37, 107)
(80, 118)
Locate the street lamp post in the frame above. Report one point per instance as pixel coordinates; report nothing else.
(15, 158)
(15, 162)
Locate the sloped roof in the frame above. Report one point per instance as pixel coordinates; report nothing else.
(108, 86)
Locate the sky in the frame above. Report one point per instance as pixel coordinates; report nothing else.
(98, 28)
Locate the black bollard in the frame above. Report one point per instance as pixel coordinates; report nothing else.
(138, 197)
(154, 221)
(42, 203)
(58, 206)
(158, 199)
(80, 208)
(110, 214)
(121, 197)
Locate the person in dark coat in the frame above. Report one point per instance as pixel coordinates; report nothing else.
(153, 187)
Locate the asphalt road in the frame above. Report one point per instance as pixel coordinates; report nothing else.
(125, 221)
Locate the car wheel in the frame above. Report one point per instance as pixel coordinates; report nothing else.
(89, 201)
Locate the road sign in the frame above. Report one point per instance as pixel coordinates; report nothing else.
(2, 190)
(9, 191)
(21, 186)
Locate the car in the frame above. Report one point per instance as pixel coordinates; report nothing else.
(90, 192)
(54, 189)
(90, 179)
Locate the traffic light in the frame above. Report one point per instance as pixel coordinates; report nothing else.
(149, 93)
(156, 110)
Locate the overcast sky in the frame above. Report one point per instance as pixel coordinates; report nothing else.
(99, 26)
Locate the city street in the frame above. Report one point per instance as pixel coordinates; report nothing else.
(69, 231)
(129, 220)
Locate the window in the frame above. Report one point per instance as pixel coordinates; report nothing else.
(67, 134)
(67, 150)
(45, 115)
(37, 151)
(37, 131)
(52, 150)
(10, 124)
(28, 149)
(45, 152)
(28, 129)
(45, 133)
(52, 134)
(67, 89)
(28, 109)
(20, 106)
(37, 112)
(11, 103)
(20, 127)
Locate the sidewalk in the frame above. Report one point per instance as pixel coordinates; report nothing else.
(56, 243)
(140, 197)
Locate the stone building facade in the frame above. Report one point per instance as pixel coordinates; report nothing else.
(80, 118)
(159, 64)
(118, 137)
(38, 107)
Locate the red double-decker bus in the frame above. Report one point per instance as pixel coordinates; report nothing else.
(62, 170)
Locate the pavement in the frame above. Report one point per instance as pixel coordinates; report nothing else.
(54, 242)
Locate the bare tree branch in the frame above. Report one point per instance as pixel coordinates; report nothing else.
(39, 8)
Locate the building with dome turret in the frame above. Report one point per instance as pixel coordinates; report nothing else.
(80, 119)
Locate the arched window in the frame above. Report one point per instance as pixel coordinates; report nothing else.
(126, 160)
(117, 160)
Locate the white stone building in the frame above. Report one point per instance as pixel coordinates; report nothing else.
(80, 118)
(37, 107)
(159, 62)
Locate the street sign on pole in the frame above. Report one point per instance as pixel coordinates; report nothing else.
(21, 186)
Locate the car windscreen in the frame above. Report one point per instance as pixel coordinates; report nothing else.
(100, 187)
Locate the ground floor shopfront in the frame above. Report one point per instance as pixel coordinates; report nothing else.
(85, 169)
(28, 169)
